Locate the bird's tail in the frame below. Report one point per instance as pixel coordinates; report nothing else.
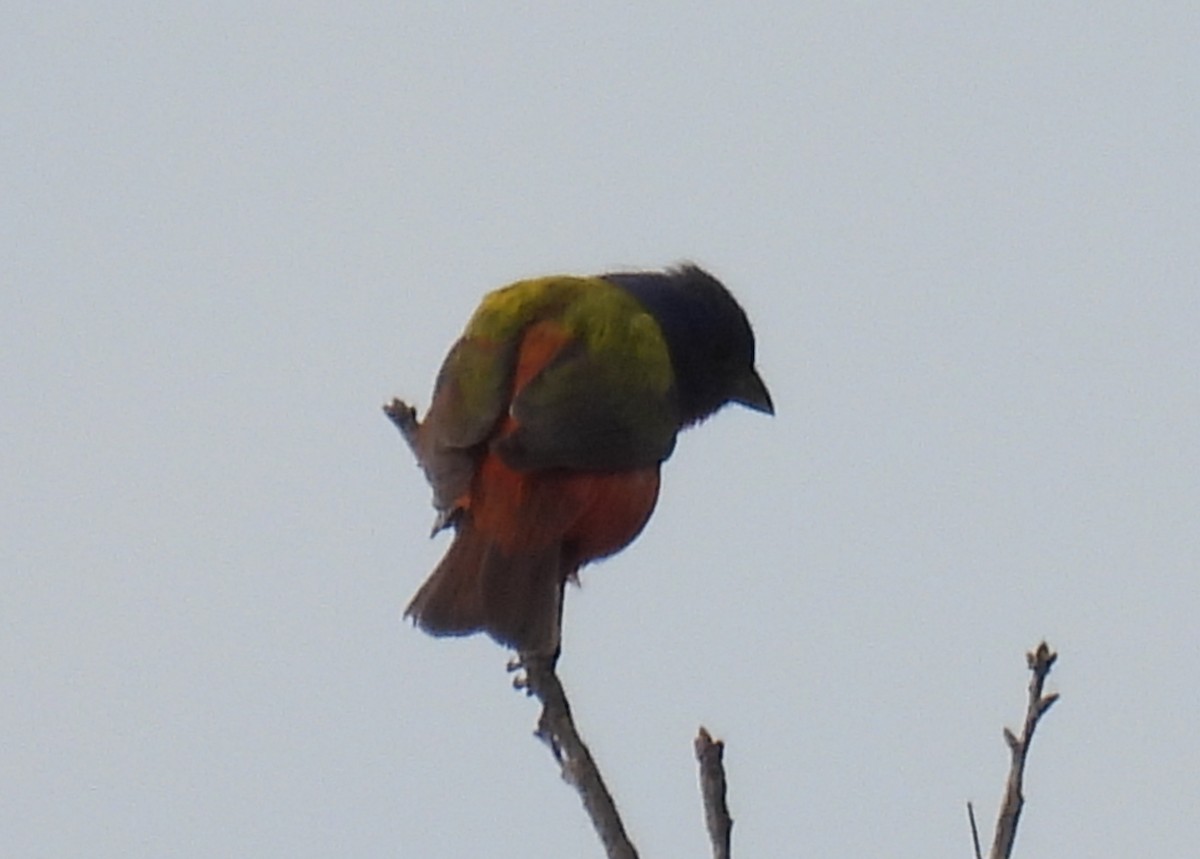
(516, 599)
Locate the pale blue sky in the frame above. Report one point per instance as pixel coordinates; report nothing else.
(967, 238)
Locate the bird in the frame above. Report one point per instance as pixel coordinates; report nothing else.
(550, 419)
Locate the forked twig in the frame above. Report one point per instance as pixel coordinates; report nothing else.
(1040, 660)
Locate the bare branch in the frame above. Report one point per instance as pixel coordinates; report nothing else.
(1040, 661)
(710, 753)
(557, 730)
(974, 830)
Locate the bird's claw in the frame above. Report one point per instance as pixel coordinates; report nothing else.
(520, 682)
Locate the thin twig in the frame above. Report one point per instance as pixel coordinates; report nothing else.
(974, 830)
(557, 730)
(1040, 661)
(710, 753)
(404, 417)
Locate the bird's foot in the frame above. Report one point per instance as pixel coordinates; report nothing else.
(529, 667)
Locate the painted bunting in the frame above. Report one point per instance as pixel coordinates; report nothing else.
(551, 417)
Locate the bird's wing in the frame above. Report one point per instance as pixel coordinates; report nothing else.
(599, 401)
(471, 394)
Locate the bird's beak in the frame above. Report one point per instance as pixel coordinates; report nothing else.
(752, 393)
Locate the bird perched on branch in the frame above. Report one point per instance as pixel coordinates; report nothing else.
(550, 419)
